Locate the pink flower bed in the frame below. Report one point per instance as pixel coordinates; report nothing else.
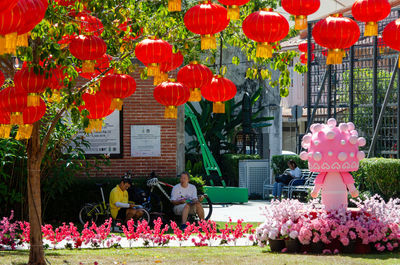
(374, 222)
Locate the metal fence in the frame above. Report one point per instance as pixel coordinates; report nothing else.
(356, 90)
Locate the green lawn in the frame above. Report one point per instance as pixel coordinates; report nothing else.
(194, 255)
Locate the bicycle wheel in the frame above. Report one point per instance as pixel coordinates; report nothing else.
(89, 213)
(145, 216)
(207, 206)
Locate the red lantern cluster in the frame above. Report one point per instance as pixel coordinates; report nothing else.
(152, 53)
(171, 94)
(300, 9)
(98, 106)
(117, 87)
(370, 12)
(195, 76)
(219, 90)
(336, 33)
(88, 49)
(206, 19)
(265, 27)
(233, 7)
(17, 20)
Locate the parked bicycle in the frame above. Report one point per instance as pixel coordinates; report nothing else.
(98, 212)
(154, 204)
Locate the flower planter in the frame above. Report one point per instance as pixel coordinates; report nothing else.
(276, 245)
(335, 244)
(350, 248)
(316, 247)
(292, 245)
(360, 248)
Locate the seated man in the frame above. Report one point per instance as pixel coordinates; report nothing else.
(119, 206)
(184, 197)
(284, 179)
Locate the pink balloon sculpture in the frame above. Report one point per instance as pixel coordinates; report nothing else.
(333, 151)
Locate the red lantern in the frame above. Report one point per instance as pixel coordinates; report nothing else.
(7, 5)
(391, 35)
(56, 83)
(336, 33)
(195, 76)
(5, 126)
(300, 9)
(14, 100)
(30, 116)
(100, 66)
(171, 94)
(118, 87)
(165, 67)
(265, 27)
(127, 28)
(303, 58)
(2, 78)
(9, 24)
(303, 47)
(218, 91)
(233, 7)
(88, 49)
(370, 12)
(153, 52)
(98, 106)
(33, 83)
(33, 12)
(206, 19)
(90, 25)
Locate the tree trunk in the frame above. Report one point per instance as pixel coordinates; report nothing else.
(36, 254)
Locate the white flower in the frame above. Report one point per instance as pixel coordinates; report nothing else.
(294, 234)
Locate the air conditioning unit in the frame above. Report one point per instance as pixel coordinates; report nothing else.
(253, 174)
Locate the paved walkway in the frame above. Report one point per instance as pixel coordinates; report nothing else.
(249, 212)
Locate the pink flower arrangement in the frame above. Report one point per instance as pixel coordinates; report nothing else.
(8, 232)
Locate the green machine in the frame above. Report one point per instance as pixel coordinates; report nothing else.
(217, 194)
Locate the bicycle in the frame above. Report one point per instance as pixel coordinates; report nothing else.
(149, 204)
(91, 212)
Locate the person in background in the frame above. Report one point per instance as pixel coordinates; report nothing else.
(185, 200)
(120, 208)
(284, 179)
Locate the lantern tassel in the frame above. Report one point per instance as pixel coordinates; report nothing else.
(195, 95)
(33, 100)
(5, 130)
(208, 42)
(24, 132)
(55, 96)
(11, 42)
(153, 69)
(399, 62)
(22, 40)
(88, 66)
(219, 107)
(371, 29)
(158, 79)
(116, 103)
(16, 118)
(174, 5)
(171, 112)
(233, 12)
(263, 50)
(335, 56)
(95, 125)
(300, 22)
(2, 45)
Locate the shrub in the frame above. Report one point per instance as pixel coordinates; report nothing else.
(279, 163)
(379, 175)
(230, 167)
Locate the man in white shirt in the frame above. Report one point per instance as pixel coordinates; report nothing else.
(185, 200)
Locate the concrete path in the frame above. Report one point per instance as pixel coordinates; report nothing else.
(249, 212)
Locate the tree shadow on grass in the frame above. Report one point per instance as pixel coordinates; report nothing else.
(24, 253)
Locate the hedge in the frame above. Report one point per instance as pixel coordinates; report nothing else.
(279, 163)
(230, 167)
(83, 190)
(380, 176)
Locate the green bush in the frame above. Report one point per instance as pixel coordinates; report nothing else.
(230, 167)
(380, 176)
(279, 163)
(83, 190)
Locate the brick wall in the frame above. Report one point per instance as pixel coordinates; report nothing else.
(142, 109)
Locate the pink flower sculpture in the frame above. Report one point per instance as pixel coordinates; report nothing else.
(333, 151)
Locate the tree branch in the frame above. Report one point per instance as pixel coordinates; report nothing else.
(43, 147)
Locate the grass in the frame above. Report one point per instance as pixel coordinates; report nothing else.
(194, 255)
